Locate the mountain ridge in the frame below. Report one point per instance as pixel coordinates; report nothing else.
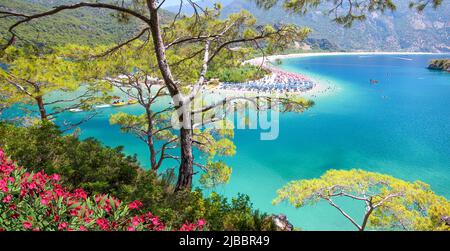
(403, 30)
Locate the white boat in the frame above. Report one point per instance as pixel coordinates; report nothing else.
(76, 110)
(102, 106)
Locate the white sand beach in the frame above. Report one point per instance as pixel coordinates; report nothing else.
(260, 60)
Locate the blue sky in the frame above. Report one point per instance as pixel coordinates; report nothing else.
(171, 2)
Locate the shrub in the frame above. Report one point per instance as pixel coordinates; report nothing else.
(37, 201)
(222, 214)
(85, 164)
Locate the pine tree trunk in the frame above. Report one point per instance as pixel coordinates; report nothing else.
(186, 170)
(153, 165)
(150, 143)
(41, 106)
(186, 167)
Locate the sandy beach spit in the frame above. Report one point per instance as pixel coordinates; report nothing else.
(271, 58)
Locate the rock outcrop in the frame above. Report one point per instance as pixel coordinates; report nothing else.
(282, 223)
(446, 220)
(440, 64)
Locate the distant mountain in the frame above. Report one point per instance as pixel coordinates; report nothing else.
(322, 44)
(84, 26)
(230, 7)
(403, 30)
(187, 9)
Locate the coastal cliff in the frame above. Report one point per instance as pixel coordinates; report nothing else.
(440, 64)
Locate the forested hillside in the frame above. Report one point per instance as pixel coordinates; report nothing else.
(84, 26)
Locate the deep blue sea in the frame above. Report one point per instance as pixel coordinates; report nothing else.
(400, 126)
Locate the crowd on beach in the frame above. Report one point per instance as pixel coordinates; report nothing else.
(278, 82)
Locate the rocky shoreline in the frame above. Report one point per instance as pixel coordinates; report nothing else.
(282, 223)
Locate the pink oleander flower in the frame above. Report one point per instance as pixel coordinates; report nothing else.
(155, 221)
(27, 225)
(135, 221)
(56, 177)
(44, 202)
(135, 205)
(80, 193)
(3, 186)
(12, 207)
(107, 208)
(102, 223)
(62, 226)
(7, 199)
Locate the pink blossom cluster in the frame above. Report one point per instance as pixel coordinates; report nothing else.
(38, 202)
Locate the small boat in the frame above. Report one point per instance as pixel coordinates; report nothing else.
(117, 104)
(76, 110)
(102, 106)
(132, 101)
(374, 81)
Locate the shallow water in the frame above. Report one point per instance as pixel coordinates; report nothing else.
(400, 127)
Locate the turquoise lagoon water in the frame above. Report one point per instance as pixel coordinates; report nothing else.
(400, 127)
